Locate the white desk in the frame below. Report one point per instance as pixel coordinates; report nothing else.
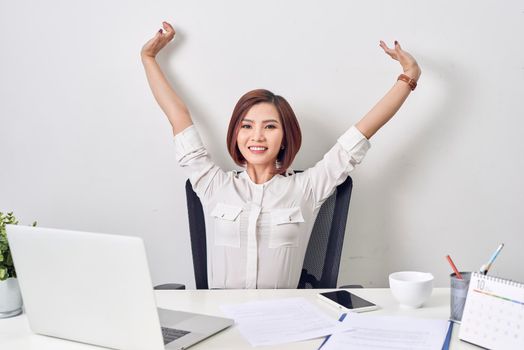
(15, 333)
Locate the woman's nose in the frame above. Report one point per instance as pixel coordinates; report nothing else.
(258, 134)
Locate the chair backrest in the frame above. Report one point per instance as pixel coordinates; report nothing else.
(322, 260)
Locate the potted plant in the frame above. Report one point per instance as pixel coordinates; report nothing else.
(10, 297)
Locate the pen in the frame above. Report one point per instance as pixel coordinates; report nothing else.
(484, 268)
(457, 273)
(342, 317)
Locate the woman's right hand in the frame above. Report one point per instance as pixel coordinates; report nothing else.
(157, 43)
(408, 62)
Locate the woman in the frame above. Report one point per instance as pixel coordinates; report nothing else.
(258, 222)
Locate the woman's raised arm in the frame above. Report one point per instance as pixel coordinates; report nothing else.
(172, 105)
(386, 108)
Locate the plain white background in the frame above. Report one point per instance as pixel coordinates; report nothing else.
(84, 145)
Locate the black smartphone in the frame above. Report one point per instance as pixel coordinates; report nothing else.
(347, 301)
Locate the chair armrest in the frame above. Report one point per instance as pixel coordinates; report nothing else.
(170, 286)
(352, 286)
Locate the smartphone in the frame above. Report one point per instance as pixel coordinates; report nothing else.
(347, 301)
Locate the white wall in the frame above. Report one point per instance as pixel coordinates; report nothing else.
(84, 145)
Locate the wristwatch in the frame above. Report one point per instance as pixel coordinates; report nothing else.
(411, 82)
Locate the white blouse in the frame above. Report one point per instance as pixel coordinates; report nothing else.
(257, 234)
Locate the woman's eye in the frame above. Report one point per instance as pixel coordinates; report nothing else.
(246, 126)
(271, 126)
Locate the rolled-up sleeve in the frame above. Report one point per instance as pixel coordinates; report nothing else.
(355, 143)
(337, 163)
(193, 158)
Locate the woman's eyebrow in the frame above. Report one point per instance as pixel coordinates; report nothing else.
(263, 121)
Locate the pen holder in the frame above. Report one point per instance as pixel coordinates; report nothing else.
(459, 292)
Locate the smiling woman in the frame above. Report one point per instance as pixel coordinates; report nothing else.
(263, 135)
(259, 221)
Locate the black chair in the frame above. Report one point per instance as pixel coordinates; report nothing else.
(322, 259)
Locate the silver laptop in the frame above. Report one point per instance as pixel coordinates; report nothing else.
(96, 288)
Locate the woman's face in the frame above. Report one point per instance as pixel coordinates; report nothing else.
(260, 135)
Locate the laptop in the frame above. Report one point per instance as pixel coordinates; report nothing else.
(95, 288)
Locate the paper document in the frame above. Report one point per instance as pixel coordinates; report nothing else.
(389, 332)
(281, 321)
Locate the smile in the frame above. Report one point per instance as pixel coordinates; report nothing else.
(256, 148)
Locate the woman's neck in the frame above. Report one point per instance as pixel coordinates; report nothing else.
(260, 174)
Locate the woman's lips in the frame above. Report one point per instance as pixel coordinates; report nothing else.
(257, 149)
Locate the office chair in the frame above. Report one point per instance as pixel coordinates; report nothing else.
(322, 259)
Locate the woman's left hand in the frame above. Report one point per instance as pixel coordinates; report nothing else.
(408, 62)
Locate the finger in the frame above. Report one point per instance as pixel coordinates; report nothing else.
(169, 29)
(400, 53)
(389, 51)
(384, 46)
(163, 37)
(397, 46)
(159, 36)
(158, 40)
(155, 38)
(167, 25)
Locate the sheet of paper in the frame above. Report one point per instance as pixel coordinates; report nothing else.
(281, 321)
(389, 332)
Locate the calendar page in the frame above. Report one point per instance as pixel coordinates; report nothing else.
(494, 313)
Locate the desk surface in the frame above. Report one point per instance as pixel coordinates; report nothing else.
(16, 335)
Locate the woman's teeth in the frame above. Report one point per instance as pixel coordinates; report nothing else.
(257, 148)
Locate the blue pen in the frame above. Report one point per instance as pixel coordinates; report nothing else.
(329, 336)
(447, 341)
(484, 268)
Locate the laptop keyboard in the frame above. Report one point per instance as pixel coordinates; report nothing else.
(170, 334)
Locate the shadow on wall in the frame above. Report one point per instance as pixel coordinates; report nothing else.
(422, 148)
(165, 59)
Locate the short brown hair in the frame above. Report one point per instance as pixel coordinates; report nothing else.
(291, 140)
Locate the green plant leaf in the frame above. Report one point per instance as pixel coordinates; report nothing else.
(7, 268)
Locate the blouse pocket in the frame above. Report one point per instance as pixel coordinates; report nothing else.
(285, 227)
(227, 225)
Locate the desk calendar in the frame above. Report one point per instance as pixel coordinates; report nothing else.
(494, 313)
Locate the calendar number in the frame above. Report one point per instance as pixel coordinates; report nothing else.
(481, 284)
